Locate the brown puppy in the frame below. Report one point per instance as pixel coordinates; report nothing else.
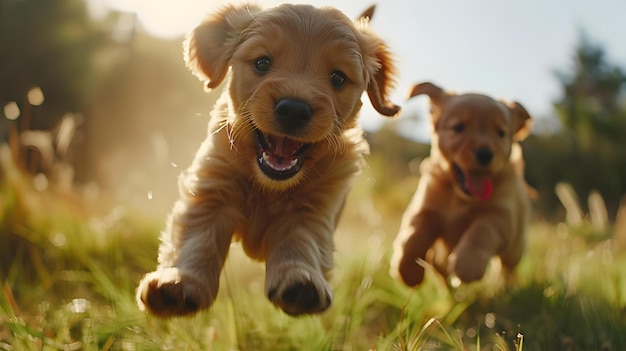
(282, 149)
(471, 196)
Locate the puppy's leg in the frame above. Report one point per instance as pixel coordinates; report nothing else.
(481, 241)
(438, 256)
(513, 256)
(417, 234)
(299, 259)
(191, 258)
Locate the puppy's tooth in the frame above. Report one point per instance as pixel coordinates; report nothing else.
(293, 162)
(269, 141)
(266, 157)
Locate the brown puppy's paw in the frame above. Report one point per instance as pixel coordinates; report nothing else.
(468, 269)
(300, 292)
(168, 293)
(410, 271)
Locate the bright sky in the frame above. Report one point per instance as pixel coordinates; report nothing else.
(508, 49)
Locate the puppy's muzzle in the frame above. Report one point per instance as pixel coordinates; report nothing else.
(292, 115)
(476, 183)
(483, 156)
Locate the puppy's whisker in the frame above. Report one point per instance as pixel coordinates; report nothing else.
(244, 109)
(334, 143)
(226, 125)
(241, 129)
(244, 132)
(223, 124)
(231, 137)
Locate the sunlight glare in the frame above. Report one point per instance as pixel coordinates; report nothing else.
(11, 110)
(160, 19)
(79, 305)
(490, 320)
(58, 239)
(455, 281)
(35, 96)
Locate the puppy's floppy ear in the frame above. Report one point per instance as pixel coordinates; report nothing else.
(521, 120)
(434, 92)
(209, 47)
(381, 81)
(379, 67)
(437, 97)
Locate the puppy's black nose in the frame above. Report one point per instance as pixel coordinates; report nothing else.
(484, 156)
(292, 114)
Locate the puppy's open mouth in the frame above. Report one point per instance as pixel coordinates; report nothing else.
(280, 157)
(475, 184)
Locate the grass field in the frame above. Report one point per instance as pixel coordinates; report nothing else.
(69, 271)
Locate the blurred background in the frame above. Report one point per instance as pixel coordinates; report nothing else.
(94, 94)
(99, 115)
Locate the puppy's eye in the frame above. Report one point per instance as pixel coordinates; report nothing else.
(337, 79)
(459, 127)
(501, 133)
(262, 64)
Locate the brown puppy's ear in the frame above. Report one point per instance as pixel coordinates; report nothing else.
(434, 92)
(378, 64)
(209, 47)
(437, 98)
(381, 83)
(379, 69)
(521, 120)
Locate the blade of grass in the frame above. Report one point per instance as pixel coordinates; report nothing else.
(10, 299)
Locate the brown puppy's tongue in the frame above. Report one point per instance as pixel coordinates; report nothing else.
(282, 146)
(479, 185)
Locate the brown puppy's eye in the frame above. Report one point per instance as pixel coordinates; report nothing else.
(262, 64)
(501, 133)
(459, 127)
(337, 79)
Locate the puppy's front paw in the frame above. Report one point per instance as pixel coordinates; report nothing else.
(468, 268)
(299, 291)
(410, 271)
(168, 293)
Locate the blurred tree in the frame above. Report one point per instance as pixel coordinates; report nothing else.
(592, 105)
(48, 45)
(393, 166)
(590, 151)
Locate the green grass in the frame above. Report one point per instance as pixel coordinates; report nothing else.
(69, 272)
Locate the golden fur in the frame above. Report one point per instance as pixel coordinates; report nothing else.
(282, 149)
(471, 196)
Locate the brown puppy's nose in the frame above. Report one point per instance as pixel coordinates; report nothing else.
(484, 156)
(292, 114)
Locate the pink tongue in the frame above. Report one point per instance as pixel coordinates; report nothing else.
(283, 147)
(479, 186)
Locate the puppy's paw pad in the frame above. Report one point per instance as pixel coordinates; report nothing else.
(301, 297)
(166, 293)
(304, 297)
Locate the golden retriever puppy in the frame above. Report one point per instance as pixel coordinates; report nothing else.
(471, 196)
(282, 149)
